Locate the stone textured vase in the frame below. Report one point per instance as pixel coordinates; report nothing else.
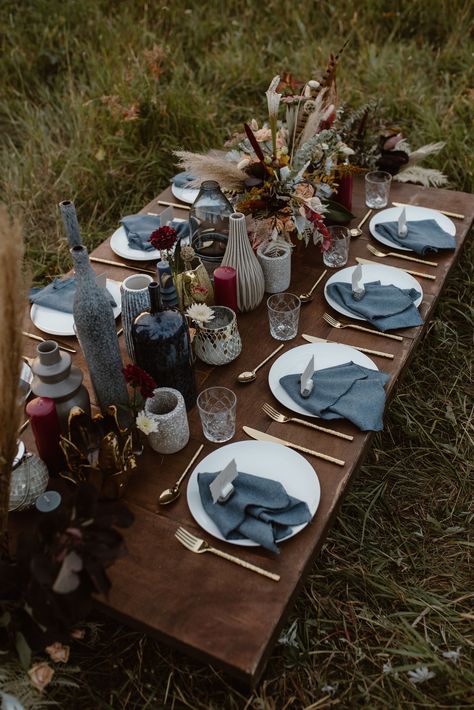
(56, 378)
(168, 410)
(218, 341)
(135, 299)
(275, 260)
(95, 325)
(239, 254)
(71, 225)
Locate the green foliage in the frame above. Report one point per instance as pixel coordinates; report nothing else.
(95, 96)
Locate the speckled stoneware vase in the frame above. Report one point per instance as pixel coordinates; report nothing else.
(275, 260)
(239, 254)
(71, 225)
(135, 299)
(168, 411)
(95, 326)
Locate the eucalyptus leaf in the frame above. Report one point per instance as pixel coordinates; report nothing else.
(23, 650)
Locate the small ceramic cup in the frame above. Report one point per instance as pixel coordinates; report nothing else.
(168, 411)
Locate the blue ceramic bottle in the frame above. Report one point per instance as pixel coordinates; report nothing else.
(163, 348)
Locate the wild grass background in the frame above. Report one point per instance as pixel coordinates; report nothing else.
(94, 96)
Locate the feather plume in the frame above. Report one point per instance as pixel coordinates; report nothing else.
(315, 118)
(429, 177)
(12, 306)
(424, 151)
(211, 167)
(329, 75)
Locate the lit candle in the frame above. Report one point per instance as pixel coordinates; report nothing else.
(46, 430)
(47, 502)
(225, 287)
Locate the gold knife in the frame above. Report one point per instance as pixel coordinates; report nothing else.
(314, 339)
(138, 269)
(456, 215)
(421, 274)
(262, 436)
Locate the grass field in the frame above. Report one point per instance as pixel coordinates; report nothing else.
(94, 97)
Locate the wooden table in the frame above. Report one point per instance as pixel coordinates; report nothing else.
(213, 610)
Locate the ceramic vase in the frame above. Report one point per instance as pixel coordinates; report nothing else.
(95, 326)
(167, 409)
(275, 260)
(29, 479)
(239, 254)
(71, 225)
(56, 378)
(218, 341)
(135, 299)
(168, 292)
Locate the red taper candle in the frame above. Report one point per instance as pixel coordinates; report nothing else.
(46, 430)
(225, 287)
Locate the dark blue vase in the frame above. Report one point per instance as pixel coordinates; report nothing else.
(163, 348)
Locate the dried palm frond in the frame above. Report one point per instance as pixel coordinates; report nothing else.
(211, 167)
(12, 309)
(420, 153)
(429, 177)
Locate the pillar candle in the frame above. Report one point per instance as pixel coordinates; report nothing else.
(344, 191)
(46, 430)
(225, 287)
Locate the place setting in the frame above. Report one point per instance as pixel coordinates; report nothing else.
(132, 240)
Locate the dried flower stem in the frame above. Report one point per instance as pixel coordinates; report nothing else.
(12, 309)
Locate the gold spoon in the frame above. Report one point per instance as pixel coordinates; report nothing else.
(307, 297)
(170, 494)
(250, 376)
(357, 231)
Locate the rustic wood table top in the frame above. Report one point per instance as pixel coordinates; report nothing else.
(213, 610)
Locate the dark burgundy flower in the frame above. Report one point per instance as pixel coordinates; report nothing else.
(138, 378)
(163, 238)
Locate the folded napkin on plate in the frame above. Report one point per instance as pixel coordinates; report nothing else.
(139, 227)
(423, 235)
(259, 509)
(182, 179)
(347, 391)
(59, 295)
(386, 307)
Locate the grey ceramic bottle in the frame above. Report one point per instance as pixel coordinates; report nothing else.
(71, 225)
(95, 326)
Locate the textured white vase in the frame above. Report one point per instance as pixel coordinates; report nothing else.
(239, 254)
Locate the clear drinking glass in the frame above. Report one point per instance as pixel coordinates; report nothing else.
(377, 188)
(338, 252)
(283, 315)
(217, 409)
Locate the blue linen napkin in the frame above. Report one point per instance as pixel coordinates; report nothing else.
(139, 227)
(347, 391)
(59, 295)
(259, 509)
(386, 307)
(423, 235)
(182, 179)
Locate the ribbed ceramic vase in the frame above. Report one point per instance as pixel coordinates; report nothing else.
(135, 299)
(95, 325)
(239, 254)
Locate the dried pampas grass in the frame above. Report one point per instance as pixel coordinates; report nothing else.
(211, 167)
(12, 309)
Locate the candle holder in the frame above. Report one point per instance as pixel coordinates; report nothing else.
(218, 341)
(275, 260)
(28, 480)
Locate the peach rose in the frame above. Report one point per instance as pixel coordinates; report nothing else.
(40, 675)
(58, 653)
(80, 634)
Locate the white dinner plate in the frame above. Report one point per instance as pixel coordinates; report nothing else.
(185, 194)
(26, 377)
(295, 360)
(259, 458)
(59, 323)
(413, 213)
(119, 245)
(372, 272)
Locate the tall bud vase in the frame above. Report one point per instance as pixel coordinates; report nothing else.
(71, 225)
(239, 254)
(95, 326)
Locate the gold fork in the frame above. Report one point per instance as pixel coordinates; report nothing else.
(282, 418)
(377, 252)
(337, 324)
(196, 544)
